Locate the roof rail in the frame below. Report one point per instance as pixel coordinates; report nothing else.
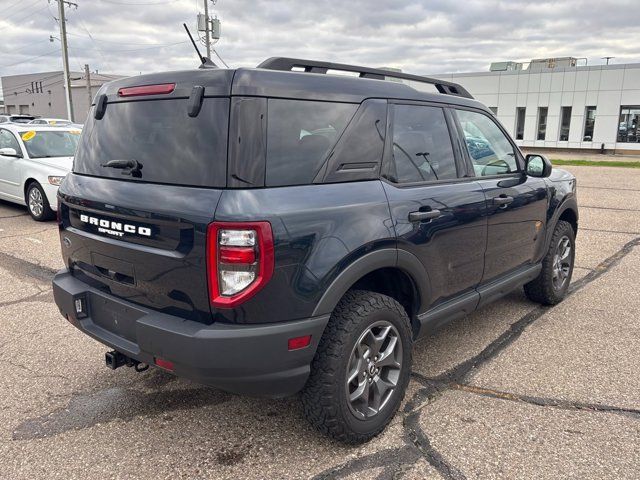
(313, 66)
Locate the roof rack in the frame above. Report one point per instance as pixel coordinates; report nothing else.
(313, 66)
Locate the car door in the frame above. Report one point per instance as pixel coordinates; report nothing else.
(516, 203)
(10, 184)
(438, 214)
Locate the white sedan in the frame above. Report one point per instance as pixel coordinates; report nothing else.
(54, 122)
(33, 162)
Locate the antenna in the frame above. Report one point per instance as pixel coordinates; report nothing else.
(205, 62)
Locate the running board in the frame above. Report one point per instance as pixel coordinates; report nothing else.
(463, 305)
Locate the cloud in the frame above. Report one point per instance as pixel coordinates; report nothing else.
(434, 36)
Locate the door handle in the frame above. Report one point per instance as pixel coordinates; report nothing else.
(423, 216)
(502, 201)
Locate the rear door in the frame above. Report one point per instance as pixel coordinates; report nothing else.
(140, 232)
(437, 212)
(516, 203)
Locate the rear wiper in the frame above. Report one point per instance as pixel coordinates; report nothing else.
(129, 167)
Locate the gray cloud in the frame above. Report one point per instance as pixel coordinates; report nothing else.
(434, 36)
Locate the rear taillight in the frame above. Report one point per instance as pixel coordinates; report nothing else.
(239, 261)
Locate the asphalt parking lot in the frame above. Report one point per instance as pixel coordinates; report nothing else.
(514, 391)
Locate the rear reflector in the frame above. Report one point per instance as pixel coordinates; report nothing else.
(237, 255)
(160, 89)
(297, 343)
(166, 364)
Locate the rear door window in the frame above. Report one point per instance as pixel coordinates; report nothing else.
(300, 134)
(422, 150)
(171, 146)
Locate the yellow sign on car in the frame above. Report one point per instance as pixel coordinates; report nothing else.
(26, 136)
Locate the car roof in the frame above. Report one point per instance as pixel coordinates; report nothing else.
(49, 119)
(26, 127)
(282, 84)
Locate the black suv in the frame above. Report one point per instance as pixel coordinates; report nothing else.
(283, 229)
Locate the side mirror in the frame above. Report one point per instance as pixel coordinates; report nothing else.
(9, 152)
(538, 165)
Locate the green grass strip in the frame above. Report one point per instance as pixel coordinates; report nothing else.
(596, 163)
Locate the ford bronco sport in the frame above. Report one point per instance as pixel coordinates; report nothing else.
(282, 229)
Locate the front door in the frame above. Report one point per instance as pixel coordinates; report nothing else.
(438, 215)
(10, 167)
(516, 204)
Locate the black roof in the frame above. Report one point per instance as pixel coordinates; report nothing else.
(305, 85)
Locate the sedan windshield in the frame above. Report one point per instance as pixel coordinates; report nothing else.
(43, 144)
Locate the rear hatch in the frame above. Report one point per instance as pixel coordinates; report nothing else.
(147, 177)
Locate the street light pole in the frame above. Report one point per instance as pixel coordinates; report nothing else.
(87, 76)
(65, 55)
(207, 28)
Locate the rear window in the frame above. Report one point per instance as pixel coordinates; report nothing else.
(171, 146)
(300, 134)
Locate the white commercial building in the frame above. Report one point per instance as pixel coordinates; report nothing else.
(44, 94)
(556, 105)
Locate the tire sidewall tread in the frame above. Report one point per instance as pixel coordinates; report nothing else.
(541, 289)
(323, 398)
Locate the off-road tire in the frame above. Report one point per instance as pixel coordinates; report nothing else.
(45, 213)
(324, 397)
(541, 289)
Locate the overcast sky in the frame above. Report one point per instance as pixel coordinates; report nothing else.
(429, 36)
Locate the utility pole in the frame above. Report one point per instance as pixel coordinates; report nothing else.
(87, 76)
(207, 28)
(65, 54)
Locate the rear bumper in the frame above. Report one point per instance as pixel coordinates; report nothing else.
(249, 359)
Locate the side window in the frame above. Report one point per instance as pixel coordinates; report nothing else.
(422, 148)
(300, 134)
(7, 140)
(489, 149)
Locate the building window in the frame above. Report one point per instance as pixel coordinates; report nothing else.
(565, 123)
(520, 113)
(629, 126)
(494, 110)
(542, 122)
(589, 124)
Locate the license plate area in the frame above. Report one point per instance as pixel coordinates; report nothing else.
(114, 317)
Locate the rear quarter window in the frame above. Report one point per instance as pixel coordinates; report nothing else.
(300, 134)
(172, 147)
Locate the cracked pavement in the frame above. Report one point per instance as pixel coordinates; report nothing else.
(514, 390)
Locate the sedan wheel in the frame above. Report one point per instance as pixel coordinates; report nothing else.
(36, 202)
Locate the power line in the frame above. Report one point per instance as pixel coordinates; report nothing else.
(150, 48)
(15, 50)
(27, 83)
(32, 58)
(100, 40)
(166, 2)
(21, 10)
(218, 55)
(20, 20)
(11, 6)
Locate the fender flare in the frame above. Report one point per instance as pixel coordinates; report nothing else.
(383, 258)
(569, 203)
